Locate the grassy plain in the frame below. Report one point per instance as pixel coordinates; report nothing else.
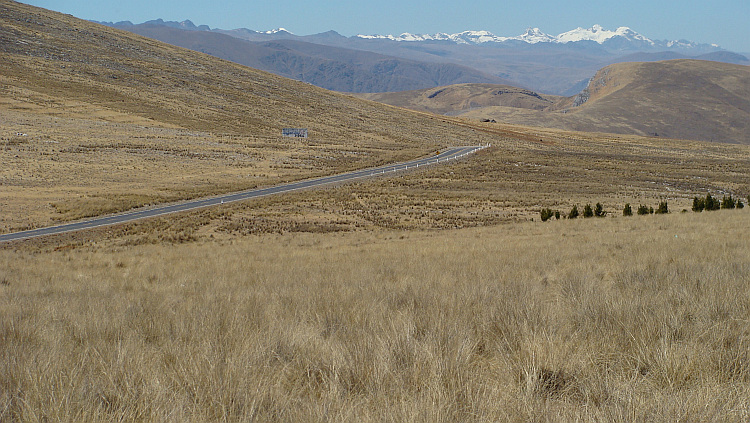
(630, 319)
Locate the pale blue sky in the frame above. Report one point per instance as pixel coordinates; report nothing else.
(724, 22)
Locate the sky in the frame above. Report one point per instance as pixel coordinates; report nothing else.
(722, 22)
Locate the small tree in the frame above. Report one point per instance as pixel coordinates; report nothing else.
(557, 214)
(587, 211)
(698, 204)
(663, 208)
(599, 210)
(627, 211)
(573, 212)
(711, 203)
(642, 210)
(728, 202)
(546, 214)
(740, 204)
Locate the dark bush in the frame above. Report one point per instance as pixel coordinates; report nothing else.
(711, 203)
(663, 208)
(627, 211)
(599, 210)
(546, 214)
(728, 203)
(573, 212)
(587, 211)
(642, 210)
(698, 204)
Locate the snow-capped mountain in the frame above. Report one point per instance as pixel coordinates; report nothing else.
(466, 37)
(621, 38)
(276, 31)
(534, 36)
(601, 35)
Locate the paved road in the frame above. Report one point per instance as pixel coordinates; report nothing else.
(447, 155)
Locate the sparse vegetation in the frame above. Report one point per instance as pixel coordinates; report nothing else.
(588, 211)
(699, 204)
(573, 212)
(547, 214)
(728, 202)
(599, 210)
(469, 325)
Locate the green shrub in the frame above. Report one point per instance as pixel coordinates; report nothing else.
(663, 208)
(557, 215)
(711, 203)
(599, 210)
(573, 212)
(587, 211)
(642, 210)
(728, 202)
(740, 204)
(546, 214)
(698, 204)
(627, 211)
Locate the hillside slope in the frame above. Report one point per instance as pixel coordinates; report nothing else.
(61, 58)
(98, 120)
(687, 99)
(455, 99)
(333, 68)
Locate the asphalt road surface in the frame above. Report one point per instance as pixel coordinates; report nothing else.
(447, 155)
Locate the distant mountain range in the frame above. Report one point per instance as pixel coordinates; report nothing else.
(622, 38)
(558, 65)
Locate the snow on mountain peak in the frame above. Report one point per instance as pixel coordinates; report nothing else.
(598, 34)
(275, 31)
(535, 35)
(622, 36)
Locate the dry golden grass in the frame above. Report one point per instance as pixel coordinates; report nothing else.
(646, 318)
(511, 181)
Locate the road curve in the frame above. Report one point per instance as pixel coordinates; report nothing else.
(449, 154)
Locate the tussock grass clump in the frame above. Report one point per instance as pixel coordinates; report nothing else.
(648, 322)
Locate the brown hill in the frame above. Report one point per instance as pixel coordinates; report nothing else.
(456, 99)
(686, 99)
(97, 120)
(50, 59)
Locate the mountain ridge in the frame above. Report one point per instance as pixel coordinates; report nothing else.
(546, 67)
(532, 35)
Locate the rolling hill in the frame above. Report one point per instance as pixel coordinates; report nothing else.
(686, 99)
(98, 120)
(457, 99)
(53, 58)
